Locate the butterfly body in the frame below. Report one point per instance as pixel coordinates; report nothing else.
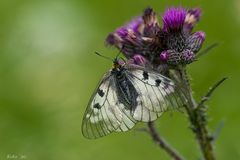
(125, 90)
(127, 94)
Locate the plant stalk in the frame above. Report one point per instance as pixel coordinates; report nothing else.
(162, 143)
(198, 120)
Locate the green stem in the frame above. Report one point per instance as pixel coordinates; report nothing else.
(197, 119)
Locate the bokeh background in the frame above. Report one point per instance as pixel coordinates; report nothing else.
(48, 72)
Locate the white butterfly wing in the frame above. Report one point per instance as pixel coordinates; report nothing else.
(105, 114)
(157, 93)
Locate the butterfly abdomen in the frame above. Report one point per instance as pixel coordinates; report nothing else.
(126, 92)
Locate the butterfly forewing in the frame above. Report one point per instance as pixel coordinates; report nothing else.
(105, 113)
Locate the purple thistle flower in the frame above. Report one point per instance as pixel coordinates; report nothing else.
(173, 19)
(200, 35)
(149, 17)
(195, 41)
(180, 43)
(110, 39)
(122, 32)
(192, 17)
(195, 12)
(164, 56)
(151, 25)
(135, 24)
(139, 60)
(113, 39)
(144, 42)
(137, 35)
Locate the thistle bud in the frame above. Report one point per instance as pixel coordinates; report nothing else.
(195, 41)
(139, 60)
(170, 57)
(192, 17)
(187, 56)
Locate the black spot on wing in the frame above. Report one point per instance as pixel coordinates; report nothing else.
(158, 81)
(100, 92)
(145, 75)
(97, 106)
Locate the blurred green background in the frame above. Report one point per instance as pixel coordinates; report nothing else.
(48, 72)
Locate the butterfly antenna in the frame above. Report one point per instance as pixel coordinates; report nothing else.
(120, 51)
(103, 56)
(119, 54)
(123, 59)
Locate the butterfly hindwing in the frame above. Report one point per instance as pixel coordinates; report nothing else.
(157, 93)
(105, 114)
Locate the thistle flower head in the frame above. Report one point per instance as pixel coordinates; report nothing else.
(149, 17)
(192, 17)
(144, 40)
(164, 56)
(135, 25)
(173, 19)
(139, 60)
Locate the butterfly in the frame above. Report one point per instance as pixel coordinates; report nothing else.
(128, 94)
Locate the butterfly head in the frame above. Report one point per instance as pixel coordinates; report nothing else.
(115, 64)
(118, 64)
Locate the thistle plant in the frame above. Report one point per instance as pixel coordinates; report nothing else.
(169, 49)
